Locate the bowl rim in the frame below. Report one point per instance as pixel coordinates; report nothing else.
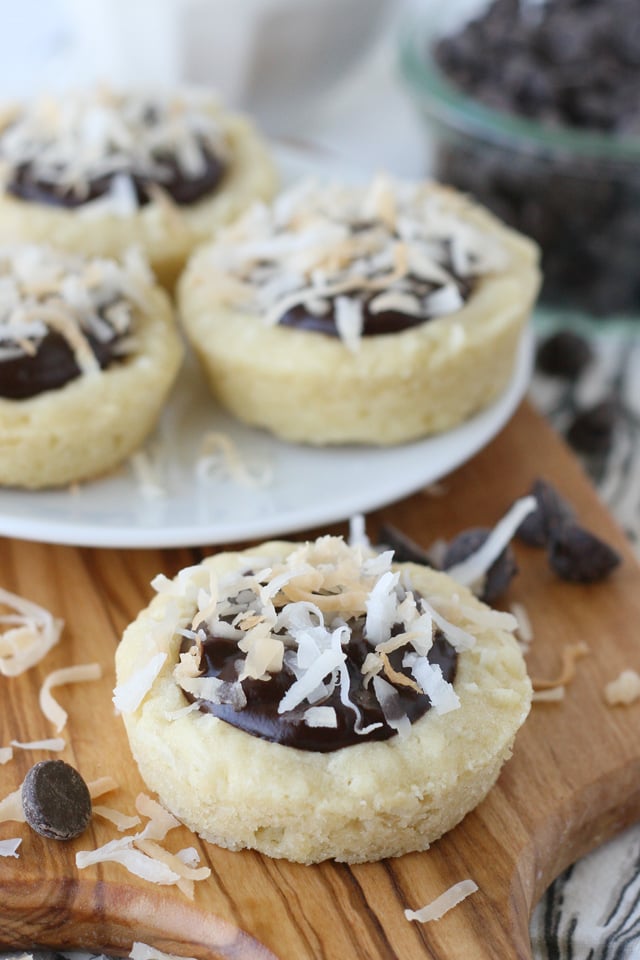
(447, 105)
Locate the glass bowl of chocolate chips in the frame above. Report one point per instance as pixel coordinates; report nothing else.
(533, 107)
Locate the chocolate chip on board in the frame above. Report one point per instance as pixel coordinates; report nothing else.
(576, 554)
(564, 354)
(405, 550)
(592, 430)
(56, 800)
(550, 514)
(500, 573)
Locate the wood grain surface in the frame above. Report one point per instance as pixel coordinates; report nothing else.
(573, 781)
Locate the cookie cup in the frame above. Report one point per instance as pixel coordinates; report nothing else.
(358, 803)
(93, 423)
(165, 231)
(310, 388)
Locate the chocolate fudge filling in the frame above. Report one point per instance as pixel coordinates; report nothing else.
(51, 366)
(373, 324)
(260, 716)
(183, 190)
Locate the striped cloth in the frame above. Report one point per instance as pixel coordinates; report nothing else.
(592, 911)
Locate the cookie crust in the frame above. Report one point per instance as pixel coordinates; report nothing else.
(359, 803)
(399, 387)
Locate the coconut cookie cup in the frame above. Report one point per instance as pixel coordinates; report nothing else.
(377, 314)
(89, 350)
(100, 171)
(293, 789)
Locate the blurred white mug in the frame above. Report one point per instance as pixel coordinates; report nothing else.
(267, 56)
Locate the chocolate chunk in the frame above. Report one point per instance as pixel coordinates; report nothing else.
(551, 513)
(405, 550)
(500, 573)
(576, 554)
(592, 430)
(564, 354)
(56, 800)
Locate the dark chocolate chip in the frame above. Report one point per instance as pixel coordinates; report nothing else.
(405, 549)
(576, 554)
(550, 514)
(500, 573)
(564, 354)
(592, 430)
(56, 800)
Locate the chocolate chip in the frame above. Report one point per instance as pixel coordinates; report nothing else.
(562, 64)
(405, 549)
(592, 430)
(564, 354)
(576, 554)
(500, 573)
(56, 800)
(550, 514)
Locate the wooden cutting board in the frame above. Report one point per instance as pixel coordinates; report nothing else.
(574, 779)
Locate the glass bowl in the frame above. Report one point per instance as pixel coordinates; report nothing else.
(577, 193)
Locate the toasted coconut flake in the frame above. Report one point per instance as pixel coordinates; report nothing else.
(11, 807)
(570, 655)
(395, 247)
(395, 676)
(135, 861)
(54, 743)
(6, 754)
(219, 457)
(9, 848)
(160, 820)
(128, 696)
(97, 788)
(28, 635)
(625, 689)
(173, 861)
(471, 570)
(445, 902)
(119, 819)
(76, 674)
(552, 695)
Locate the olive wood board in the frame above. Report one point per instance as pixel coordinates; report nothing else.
(573, 781)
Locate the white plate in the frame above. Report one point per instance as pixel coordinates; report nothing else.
(290, 487)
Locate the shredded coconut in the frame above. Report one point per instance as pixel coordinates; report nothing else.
(45, 290)
(55, 743)
(27, 635)
(445, 902)
(569, 656)
(625, 689)
(219, 457)
(88, 135)
(11, 807)
(9, 848)
(339, 248)
(298, 614)
(76, 674)
(472, 570)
